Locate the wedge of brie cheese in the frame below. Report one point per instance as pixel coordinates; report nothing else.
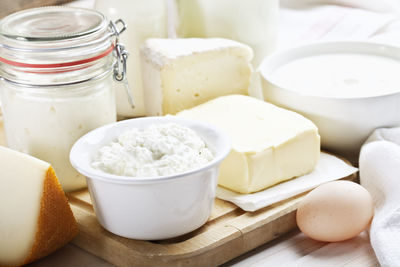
(182, 73)
(269, 144)
(35, 217)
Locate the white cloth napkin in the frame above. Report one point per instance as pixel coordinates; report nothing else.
(380, 175)
(305, 21)
(329, 168)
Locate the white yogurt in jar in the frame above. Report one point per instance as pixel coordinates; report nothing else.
(57, 81)
(47, 125)
(342, 75)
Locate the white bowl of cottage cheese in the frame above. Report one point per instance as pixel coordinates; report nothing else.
(151, 178)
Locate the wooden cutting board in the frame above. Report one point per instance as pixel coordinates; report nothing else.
(229, 232)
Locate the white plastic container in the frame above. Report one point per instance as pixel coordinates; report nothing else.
(151, 208)
(347, 89)
(56, 66)
(145, 19)
(253, 22)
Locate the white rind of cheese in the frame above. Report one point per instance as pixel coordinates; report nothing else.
(269, 144)
(182, 73)
(27, 186)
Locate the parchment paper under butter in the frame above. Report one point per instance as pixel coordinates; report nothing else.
(329, 168)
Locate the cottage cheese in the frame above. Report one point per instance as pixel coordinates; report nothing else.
(158, 150)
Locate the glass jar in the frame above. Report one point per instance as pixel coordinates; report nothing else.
(57, 66)
(145, 19)
(253, 22)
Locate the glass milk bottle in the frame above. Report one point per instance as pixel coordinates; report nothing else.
(253, 22)
(57, 69)
(145, 19)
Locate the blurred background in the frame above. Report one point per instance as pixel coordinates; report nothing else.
(10, 6)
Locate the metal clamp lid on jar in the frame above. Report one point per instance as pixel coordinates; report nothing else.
(44, 41)
(122, 57)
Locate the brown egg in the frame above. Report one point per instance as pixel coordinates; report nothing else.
(335, 211)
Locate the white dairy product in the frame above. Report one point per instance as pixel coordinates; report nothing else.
(145, 19)
(182, 73)
(343, 75)
(45, 123)
(269, 144)
(253, 22)
(158, 150)
(57, 68)
(35, 216)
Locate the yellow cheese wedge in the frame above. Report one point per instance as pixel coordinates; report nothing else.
(35, 217)
(269, 144)
(182, 73)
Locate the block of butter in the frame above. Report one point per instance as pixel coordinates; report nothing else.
(269, 144)
(182, 73)
(35, 217)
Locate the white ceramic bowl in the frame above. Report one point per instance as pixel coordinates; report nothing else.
(344, 123)
(150, 208)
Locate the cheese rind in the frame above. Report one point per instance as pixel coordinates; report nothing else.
(182, 73)
(269, 144)
(35, 217)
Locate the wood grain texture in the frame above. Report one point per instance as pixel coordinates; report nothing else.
(296, 249)
(10, 6)
(229, 233)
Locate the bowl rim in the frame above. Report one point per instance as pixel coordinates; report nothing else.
(266, 68)
(96, 174)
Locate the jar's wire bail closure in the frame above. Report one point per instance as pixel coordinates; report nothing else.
(122, 57)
